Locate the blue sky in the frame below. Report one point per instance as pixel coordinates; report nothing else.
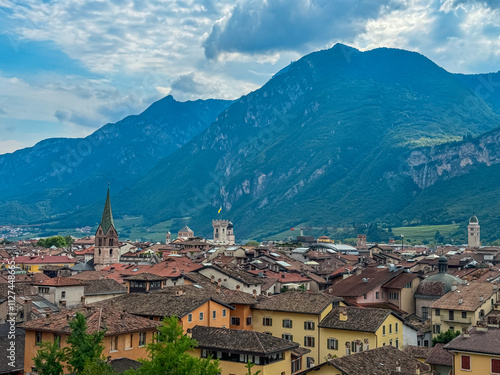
(68, 67)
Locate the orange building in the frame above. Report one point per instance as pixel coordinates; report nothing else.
(126, 335)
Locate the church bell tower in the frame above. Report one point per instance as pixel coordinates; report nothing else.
(106, 250)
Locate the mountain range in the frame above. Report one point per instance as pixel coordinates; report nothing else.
(338, 136)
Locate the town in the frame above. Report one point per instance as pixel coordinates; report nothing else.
(315, 308)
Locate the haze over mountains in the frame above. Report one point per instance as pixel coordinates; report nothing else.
(337, 136)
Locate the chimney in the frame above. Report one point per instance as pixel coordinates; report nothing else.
(466, 332)
(460, 300)
(238, 287)
(358, 271)
(481, 298)
(212, 279)
(254, 294)
(219, 283)
(454, 286)
(217, 288)
(398, 366)
(417, 370)
(495, 286)
(343, 315)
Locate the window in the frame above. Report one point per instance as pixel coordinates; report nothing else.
(377, 295)
(128, 341)
(287, 336)
(214, 314)
(436, 328)
(57, 338)
(408, 285)
(38, 337)
(201, 316)
(451, 315)
(114, 344)
(397, 327)
(63, 294)
(310, 362)
(464, 314)
(309, 326)
(383, 330)
(437, 312)
(364, 296)
(332, 343)
(224, 313)
(425, 312)
(426, 343)
(142, 339)
(495, 366)
(309, 341)
(111, 250)
(267, 322)
(249, 321)
(390, 342)
(397, 344)
(465, 362)
(43, 290)
(347, 348)
(99, 251)
(393, 295)
(190, 317)
(390, 328)
(287, 323)
(235, 321)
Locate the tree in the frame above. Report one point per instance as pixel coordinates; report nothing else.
(84, 347)
(445, 337)
(252, 243)
(99, 367)
(57, 241)
(249, 366)
(49, 358)
(168, 355)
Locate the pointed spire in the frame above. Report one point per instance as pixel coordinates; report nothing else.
(107, 215)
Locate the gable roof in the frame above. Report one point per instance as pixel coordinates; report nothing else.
(60, 281)
(162, 303)
(240, 341)
(379, 361)
(115, 322)
(103, 286)
(368, 279)
(439, 356)
(358, 318)
(296, 302)
(242, 276)
(470, 295)
(486, 341)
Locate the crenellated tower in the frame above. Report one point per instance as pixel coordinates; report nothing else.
(223, 232)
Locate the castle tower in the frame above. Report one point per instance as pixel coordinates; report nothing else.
(106, 250)
(168, 238)
(361, 243)
(223, 232)
(473, 231)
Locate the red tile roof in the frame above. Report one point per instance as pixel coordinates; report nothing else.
(43, 259)
(61, 281)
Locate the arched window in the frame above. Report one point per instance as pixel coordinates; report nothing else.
(99, 251)
(110, 242)
(111, 252)
(100, 241)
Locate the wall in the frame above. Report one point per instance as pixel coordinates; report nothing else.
(73, 297)
(385, 339)
(207, 308)
(480, 364)
(242, 312)
(100, 297)
(134, 353)
(297, 331)
(229, 282)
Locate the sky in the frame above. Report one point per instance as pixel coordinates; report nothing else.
(67, 67)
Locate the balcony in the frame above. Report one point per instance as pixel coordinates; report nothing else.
(457, 320)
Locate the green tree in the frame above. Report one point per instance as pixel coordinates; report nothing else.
(169, 354)
(249, 366)
(69, 241)
(57, 241)
(99, 367)
(252, 243)
(49, 358)
(445, 337)
(84, 347)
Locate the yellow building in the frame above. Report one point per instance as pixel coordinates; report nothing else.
(346, 330)
(126, 335)
(294, 316)
(234, 348)
(463, 307)
(36, 263)
(476, 352)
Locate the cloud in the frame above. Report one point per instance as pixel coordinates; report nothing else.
(258, 26)
(10, 146)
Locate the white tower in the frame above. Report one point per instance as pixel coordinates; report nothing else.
(474, 234)
(223, 232)
(168, 238)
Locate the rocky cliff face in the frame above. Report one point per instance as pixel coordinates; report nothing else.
(429, 165)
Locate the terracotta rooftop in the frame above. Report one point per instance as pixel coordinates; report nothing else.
(43, 259)
(430, 288)
(470, 295)
(479, 341)
(240, 341)
(283, 277)
(370, 278)
(240, 275)
(358, 319)
(162, 303)
(296, 302)
(115, 321)
(400, 281)
(145, 276)
(417, 352)
(61, 281)
(379, 361)
(104, 286)
(438, 356)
